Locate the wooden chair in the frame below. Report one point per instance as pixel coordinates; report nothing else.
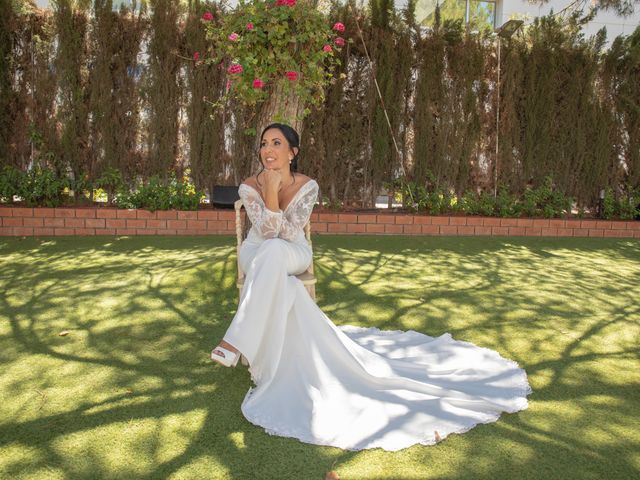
(307, 278)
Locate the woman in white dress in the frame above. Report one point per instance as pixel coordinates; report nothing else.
(348, 387)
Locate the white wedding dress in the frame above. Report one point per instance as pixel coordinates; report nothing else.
(350, 387)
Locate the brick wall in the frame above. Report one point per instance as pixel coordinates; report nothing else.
(111, 221)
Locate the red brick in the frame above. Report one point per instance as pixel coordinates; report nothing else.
(189, 215)
(166, 214)
(366, 219)
(596, 232)
(6, 212)
(23, 212)
(328, 217)
(458, 221)
(483, 230)
(633, 225)
(375, 228)
(421, 220)
(501, 231)
(524, 222)
(619, 225)
(116, 223)
(508, 222)
(495, 222)
(126, 231)
(217, 225)
(129, 213)
(544, 223)
(33, 222)
(23, 231)
(169, 232)
(226, 215)
(439, 220)
(466, 230)
(616, 233)
(207, 215)
(63, 231)
(356, 227)
(12, 222)
(196, 224)
(106, 231)
(65, 212)
(588, 224)
(156, 223)
(404, 220)
(44, 212)
(146, 215)
(74, 222)
(43, 232)
(557, 223)
(336, 227)
(319, 227)
(177, 224)
(571, 223)
(347, 218)
(95, 222)
(6, 231)
(533, 231)
(412, 229)
(146, 231)
(447, 230)
(54, 222)
(430, 229)
(135, 223)
(386, 219)
(85, 213)
(517, 231)
(107, 213)
(85, 231)
(565, 232)
(393, 229)
(636, 234)
(601, 224)
(580, 232)
(549, 232)
(475, 221)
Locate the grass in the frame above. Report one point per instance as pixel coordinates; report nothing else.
(130, 392)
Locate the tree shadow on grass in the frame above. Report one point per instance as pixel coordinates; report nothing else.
(172, 300)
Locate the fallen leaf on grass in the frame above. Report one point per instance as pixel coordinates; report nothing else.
(332, 475)
(64, 333)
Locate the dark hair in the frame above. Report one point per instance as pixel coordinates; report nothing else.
(292, 138)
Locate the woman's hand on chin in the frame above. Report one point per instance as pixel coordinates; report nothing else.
(272, 180)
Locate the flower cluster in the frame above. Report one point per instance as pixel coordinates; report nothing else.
(262, 47)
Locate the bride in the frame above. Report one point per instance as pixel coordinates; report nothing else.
(346, 387)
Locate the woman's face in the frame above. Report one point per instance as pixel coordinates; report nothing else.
(275, 152)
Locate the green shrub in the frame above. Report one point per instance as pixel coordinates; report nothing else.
(11, 180)
(155, 195)
(43, 187)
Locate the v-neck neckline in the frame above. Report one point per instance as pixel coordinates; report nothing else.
(293, 199)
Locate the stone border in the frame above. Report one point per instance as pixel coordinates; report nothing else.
(20, 221)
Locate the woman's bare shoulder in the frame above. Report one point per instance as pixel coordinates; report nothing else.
(251, 181)
(303, 178)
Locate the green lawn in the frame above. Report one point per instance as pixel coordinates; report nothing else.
(130, 392)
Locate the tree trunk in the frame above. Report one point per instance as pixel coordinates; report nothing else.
(283, 106)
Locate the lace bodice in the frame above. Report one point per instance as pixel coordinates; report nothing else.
(288, 224)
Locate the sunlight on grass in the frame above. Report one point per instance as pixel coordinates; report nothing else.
(129, 391)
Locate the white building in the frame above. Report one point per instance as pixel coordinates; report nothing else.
(499, 11)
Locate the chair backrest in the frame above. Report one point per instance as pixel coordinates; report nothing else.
(241, 233)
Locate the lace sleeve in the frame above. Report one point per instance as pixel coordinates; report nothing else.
(297, 214)
(266, 222)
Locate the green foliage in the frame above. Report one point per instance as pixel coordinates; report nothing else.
(625, 206)
(10, 183)
(156, 195)
(43, 187)
(546, 201)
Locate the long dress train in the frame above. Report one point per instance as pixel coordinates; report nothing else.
(350, 387)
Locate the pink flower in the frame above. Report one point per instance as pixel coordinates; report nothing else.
(291, 3)
(196, 56)
(207, 16)
(233, 37)
(339, 41)
(249, 26)
(327, 49)
(285, 3)
(339, 27)
(291, 75)
(257, 83)
(235, 68)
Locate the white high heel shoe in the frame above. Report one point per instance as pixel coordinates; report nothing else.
(225, 357)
